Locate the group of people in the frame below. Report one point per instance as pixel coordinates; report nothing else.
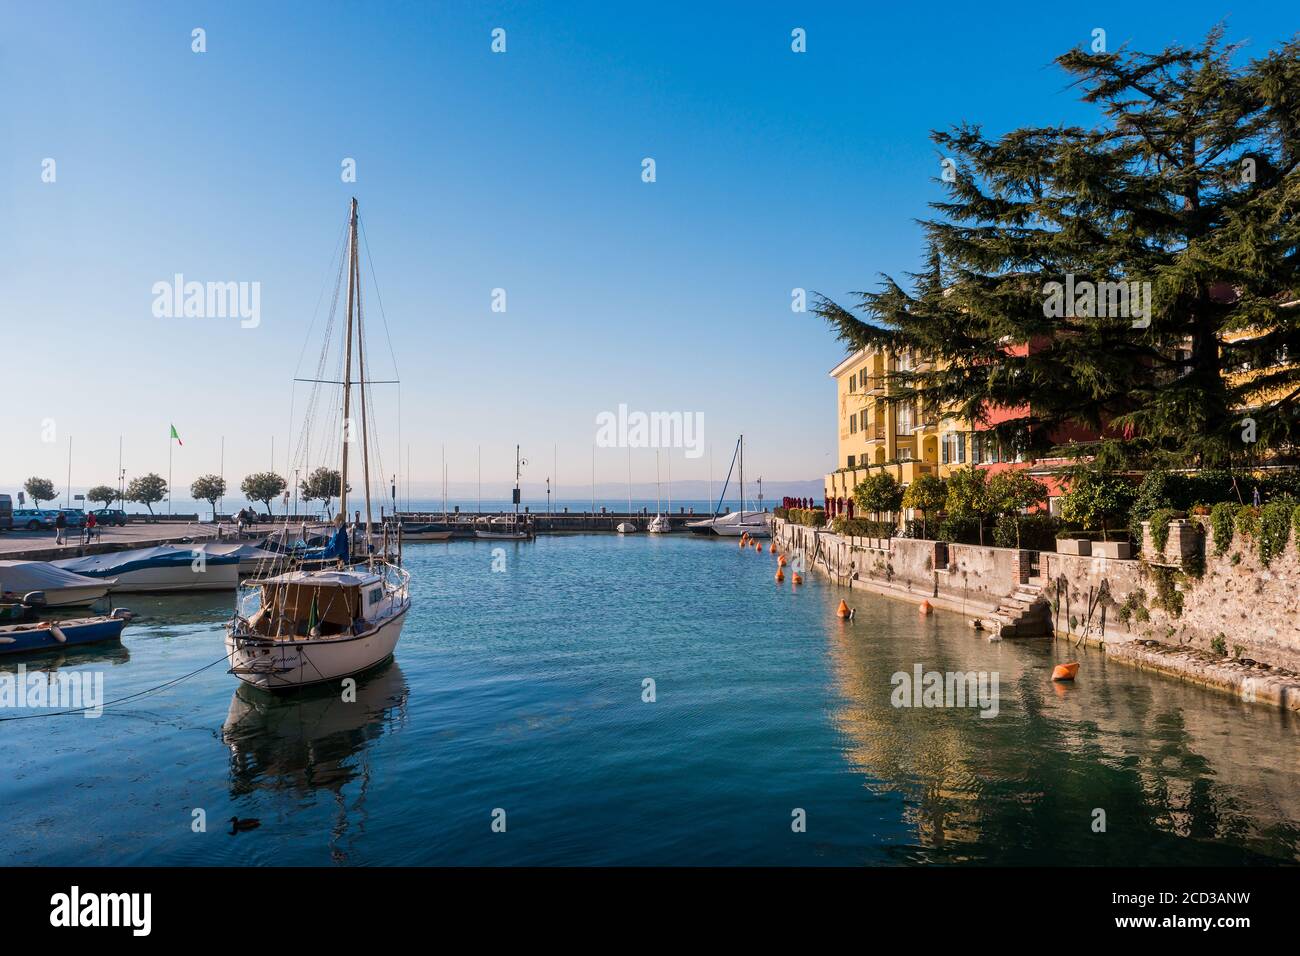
(91, 529)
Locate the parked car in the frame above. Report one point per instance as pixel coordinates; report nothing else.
(74, 516)
(33, 519)
(110, 516)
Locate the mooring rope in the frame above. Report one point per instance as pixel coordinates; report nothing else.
(137, 694)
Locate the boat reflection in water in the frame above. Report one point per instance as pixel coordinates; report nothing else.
(314, 740)
(53, 660)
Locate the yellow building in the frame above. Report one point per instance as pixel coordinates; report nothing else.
(876, 436)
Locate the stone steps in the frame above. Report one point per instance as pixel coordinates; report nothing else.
(1025, 613)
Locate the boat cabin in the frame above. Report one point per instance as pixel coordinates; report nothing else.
(302, 605)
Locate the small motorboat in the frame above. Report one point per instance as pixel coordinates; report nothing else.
(425, 532)
(61, 588)
(1065, 671)
(49, 635)
(626, 527)
(163, 568)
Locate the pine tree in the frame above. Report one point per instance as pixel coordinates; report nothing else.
(1189, 183)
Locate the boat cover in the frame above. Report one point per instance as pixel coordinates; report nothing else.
(122, 562)
(21, 577)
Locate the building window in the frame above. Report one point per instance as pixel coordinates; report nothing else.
(853, 382)
(905, 418)
(850, 461)
(853, 424)
(954, 448)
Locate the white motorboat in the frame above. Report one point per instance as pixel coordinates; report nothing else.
(157, 570)
(343, 617)
(252, 559)
(60, 587)
(626, 527)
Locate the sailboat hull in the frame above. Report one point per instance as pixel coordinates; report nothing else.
(285, 665)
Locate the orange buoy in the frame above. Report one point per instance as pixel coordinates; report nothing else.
(797, 579)
(925, 608)
(781, 560)
(843, 610)
(1065, 671)
(780, 575)
(757, 546)
(771, 548)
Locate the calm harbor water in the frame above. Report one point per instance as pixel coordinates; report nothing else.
(522, 690)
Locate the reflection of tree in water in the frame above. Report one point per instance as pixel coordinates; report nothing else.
(1159, 758)
(312, 741)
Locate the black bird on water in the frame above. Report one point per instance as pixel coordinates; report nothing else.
(239, 826)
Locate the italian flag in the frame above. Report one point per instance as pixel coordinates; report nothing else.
(177, 437)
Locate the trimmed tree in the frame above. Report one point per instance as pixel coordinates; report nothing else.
(263, 486)
(209, 488)
(105, 493)
(1097, 499)
(39, 489)
(877, 493)
(968, 497)
(1011, 492)
(321, 485)
(927, 494)
(147, 490)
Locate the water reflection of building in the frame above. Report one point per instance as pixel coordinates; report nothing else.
(313, 741)
(1165, 760)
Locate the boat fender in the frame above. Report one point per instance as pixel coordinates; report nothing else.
(58, 634)
(8, 640)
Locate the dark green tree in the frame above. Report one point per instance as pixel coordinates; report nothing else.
(1187, 186)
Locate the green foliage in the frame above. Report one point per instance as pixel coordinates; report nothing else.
(209, 488)
(1160, 528)
(1246, 521)
(1222, 516)
(1274, 528)
(863, 527)
(1168, 598)
(266, 486)
(323, 485)
(39, 489)
(1097, 501)
(808, 517)
(1220, 644)
(1037, 532)
(927, 494)
(879, 492)
(105, 493)
(1153, 192)
(1133, 604)
(147, 490)
(968, 502)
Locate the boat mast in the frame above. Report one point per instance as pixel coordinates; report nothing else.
(347, 362)
(361, 373)
(742, 479)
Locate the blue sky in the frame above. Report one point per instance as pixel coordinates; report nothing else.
(478, 171)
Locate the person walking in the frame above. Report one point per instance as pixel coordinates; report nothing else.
(60, 528)
(92, 526)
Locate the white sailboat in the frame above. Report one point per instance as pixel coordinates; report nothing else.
(344, 616)
(735, 523)
(660, 524)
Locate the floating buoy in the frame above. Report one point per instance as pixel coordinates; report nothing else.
(780, 575)
(771, 548)
(843, 610)
(781, 560)
(744, 536)
(925, 608)
(740, 543)
(797, 579)
(1065, 671)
